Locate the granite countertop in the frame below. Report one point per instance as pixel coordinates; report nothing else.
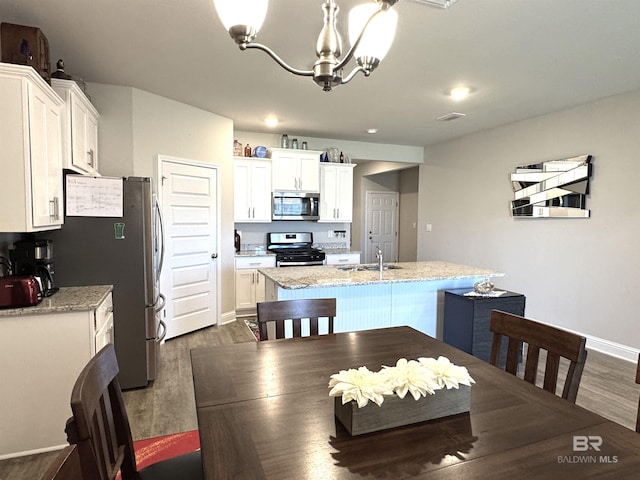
(332, 275)
(254, 253)
(67, 299)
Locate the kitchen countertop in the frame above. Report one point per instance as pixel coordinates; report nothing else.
(254, 253)
(67, 299)
(332, 275)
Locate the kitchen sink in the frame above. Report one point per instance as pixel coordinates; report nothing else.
(366, 267)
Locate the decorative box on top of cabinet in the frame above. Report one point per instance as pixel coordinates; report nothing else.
(252, 190)
(295, 170)
(336, 192)
(31, 160)
(79, 128)
(467, 318)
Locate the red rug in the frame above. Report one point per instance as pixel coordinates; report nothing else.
(152, 450)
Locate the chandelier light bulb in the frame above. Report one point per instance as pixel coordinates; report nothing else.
(250, 13)
(378, 36)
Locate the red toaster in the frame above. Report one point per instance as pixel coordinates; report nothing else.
(19, 291)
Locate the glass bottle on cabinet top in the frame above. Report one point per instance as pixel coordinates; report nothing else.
(237, 148)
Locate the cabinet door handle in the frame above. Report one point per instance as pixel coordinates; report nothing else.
(253, 212)
(90, 157)
(249, 212)
(338, 213)
(54, 208)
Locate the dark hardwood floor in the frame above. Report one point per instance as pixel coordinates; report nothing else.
(608, 388)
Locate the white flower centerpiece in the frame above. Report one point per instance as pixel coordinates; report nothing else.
(438, 387)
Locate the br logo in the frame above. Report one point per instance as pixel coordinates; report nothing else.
(584, 443)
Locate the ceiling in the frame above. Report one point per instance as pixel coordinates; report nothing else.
(524, 58)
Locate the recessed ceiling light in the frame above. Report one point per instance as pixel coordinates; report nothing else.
(271, 121)
(459, 93)
(372, 131)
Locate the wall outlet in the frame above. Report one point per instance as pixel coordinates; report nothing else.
(428, 227)
(330, 234)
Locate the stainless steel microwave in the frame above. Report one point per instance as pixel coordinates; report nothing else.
(295, 205)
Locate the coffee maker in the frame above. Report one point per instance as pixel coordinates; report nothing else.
(34, 257)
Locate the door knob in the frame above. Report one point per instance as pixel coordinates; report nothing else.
(214, 255)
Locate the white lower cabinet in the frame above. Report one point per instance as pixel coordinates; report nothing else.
(343, 258)
(41, 356)
(250, 282)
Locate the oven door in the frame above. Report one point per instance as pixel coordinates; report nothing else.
(295, 206)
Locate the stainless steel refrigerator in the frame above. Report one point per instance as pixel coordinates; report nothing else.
(126, 252)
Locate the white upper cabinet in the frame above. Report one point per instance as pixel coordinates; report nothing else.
(336, 192)
(79, 128)
(31, 160)
(252, 190)
(295, 170)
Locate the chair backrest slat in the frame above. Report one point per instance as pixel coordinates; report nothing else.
(295, 310)
(556, 342)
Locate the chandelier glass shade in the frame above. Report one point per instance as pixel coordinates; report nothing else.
(371, 31)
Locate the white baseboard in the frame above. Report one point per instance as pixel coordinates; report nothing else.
(228, 317)
(32, 452)
(611, 348)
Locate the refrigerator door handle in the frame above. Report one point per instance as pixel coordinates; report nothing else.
(160, 239)
(162, 331)
(162, 300)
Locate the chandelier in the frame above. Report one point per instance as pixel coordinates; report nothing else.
(371, 31)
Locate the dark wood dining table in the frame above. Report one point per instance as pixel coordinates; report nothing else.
(264, 412)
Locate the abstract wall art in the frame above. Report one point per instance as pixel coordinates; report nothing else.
(555, 188)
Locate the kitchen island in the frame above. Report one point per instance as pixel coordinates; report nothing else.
(405, 293)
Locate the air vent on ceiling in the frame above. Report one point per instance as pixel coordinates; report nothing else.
(437, 3)
(451, 116)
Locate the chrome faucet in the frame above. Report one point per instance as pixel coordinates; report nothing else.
(379, 257)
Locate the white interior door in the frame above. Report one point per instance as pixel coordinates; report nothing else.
(189, 279)
(382, 226)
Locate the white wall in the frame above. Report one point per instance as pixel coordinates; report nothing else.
(579, 274)
(136, 126)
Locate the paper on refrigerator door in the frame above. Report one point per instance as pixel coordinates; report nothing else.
(93, 196)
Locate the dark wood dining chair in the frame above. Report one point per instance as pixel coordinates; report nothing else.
(638, 382)
(100, 428)
(556, 342)
(281, 311)
(66, 465)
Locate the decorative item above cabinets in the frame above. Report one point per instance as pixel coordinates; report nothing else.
(555, 188)
(79, 128)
